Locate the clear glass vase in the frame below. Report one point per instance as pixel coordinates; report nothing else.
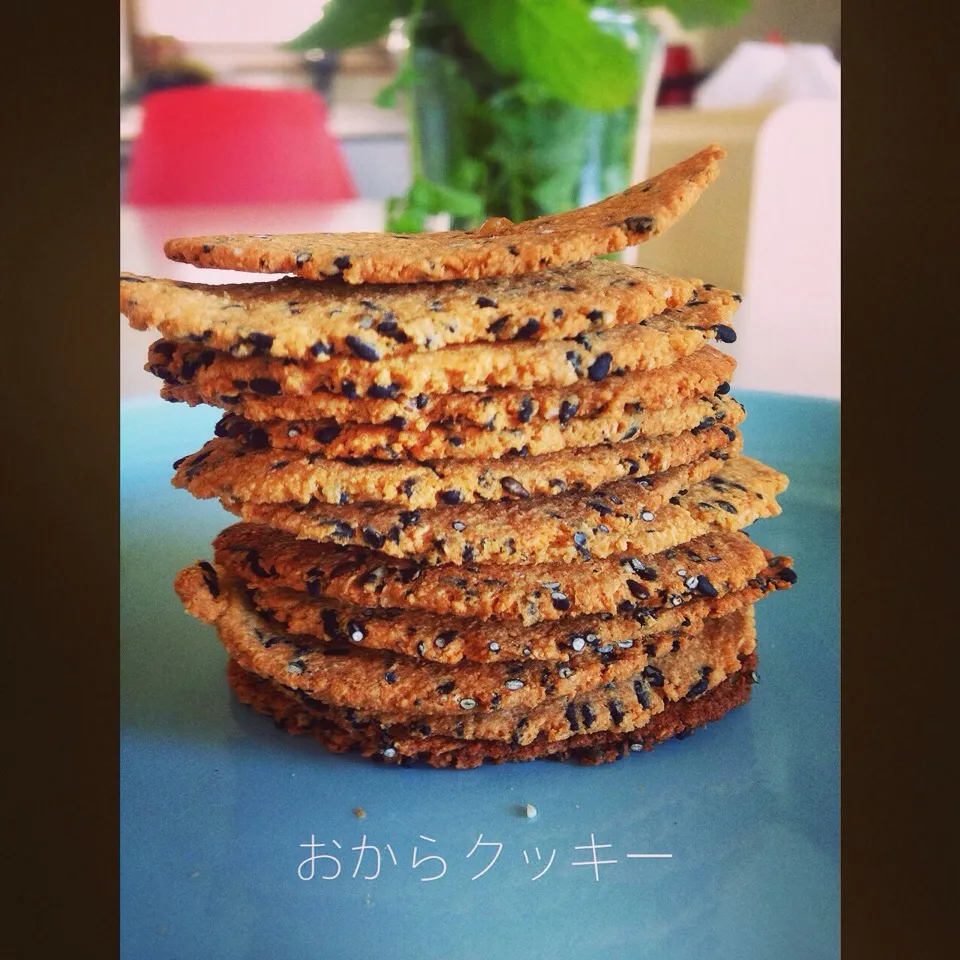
(505, 148)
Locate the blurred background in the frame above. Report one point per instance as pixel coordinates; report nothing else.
(419, 114)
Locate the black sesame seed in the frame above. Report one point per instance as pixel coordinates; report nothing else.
(388, 327)
(595, 315)
(409, 518)
(372, 537)
(600, 367)
(342, 263)
(362, 349)
(788, 575)
(498, 324)
(349, 389)
(342, 530)
(514, 487)
(451, 496)
(560, 600)
(571, 714)
(567, 410)
(265, 386)
(327, 433)
(642, 693)
(485, 302)
(525, 410)
(256, 439)
(529, 328)
(377, 392)
(616, 711)
(210, 578)
(638, 590)
(259, 341)
(253, 561)
(705, 586)
(390, 677)
(701, 685)
(397, 422)
(724, 333)
(588, 715)
(442, 639)
(653, 675)
(726, 505)
(722, 389)
(446, 687)
(638, 224)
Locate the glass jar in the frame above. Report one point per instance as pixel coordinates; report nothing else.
(517, 150)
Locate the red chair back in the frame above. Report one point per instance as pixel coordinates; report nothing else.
(210, 144)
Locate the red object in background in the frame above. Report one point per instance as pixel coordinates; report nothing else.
(215, 144)
(678, 80)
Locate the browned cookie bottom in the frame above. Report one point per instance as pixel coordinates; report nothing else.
(678, 718)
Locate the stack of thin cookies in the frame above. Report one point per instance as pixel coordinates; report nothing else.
(490, 488)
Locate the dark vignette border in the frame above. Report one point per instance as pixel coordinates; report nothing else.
(60, 463)
(899, 252)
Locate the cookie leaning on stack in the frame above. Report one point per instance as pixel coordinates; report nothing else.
(490, 490)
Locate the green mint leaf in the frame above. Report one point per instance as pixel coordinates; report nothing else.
(554, 42)
(408, 214)
(441, 198)
(386, 96)
(350, 23)
(700, 13)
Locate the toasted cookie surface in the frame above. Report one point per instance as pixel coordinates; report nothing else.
(739, 577)
(338, 734)
(506, 590)
(655, 342)
(388, 685)
(568, 527)
(226, 467)
(298, 318)
(703, 373)
(465, 442)
(637, 214)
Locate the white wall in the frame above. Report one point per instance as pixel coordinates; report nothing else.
(228, 21)
(798, 21)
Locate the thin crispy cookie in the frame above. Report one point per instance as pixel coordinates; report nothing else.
(699, 374)
(298, 318)
(740, 576)
(652, 343)
(397, 441)
(639, 580)
(633, 216)
(533, 530)
(680, 718)
(226, 468)
(389, 686)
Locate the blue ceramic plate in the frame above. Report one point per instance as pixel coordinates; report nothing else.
(239, 841)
